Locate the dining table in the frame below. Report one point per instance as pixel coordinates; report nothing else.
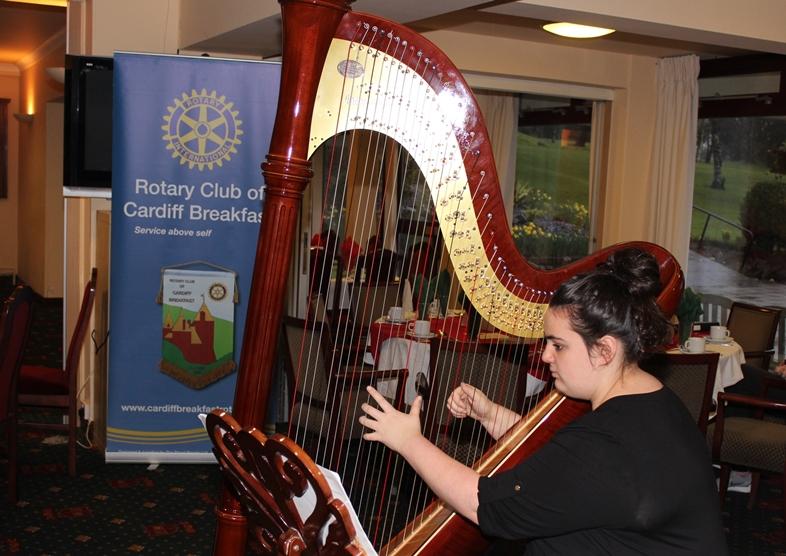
(730, 362)
(392, 346)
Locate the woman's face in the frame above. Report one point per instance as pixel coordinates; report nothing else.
(571, 364)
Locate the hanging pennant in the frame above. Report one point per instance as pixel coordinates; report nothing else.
(198, 325)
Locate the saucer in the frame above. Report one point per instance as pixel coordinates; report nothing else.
(683, 350)
(421, 336)
(395, 321)
(726, 341)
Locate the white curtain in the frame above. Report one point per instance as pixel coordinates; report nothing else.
(501, 112)
(674, 154)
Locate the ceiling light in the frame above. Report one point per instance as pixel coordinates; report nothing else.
(576, 31)
(57, 3)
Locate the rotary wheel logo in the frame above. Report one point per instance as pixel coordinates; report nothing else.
(202, 129)
(218, 291)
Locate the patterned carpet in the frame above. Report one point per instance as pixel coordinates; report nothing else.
(128, 508)
(106, 509)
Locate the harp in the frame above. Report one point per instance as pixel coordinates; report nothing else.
(344, 72)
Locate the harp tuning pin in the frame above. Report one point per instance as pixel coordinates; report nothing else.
(482, 172)
(485, 196)
(489, 216)
(374, 28)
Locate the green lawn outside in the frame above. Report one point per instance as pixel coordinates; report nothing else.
(740, 177)
(562, 172)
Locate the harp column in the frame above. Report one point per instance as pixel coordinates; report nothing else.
(308, 27)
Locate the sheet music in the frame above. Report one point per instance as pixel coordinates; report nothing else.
(305, 505)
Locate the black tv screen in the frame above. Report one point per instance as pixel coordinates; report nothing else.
(87, 150)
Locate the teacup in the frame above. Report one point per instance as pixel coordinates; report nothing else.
(396, 314)
(419, 328)
(695, 345)
(719, 333)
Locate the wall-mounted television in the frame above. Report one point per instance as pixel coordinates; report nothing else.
(87, 149)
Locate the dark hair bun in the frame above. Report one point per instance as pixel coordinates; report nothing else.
(636, 269)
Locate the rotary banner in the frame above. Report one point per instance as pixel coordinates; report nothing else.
(198, 326)
(187, 194)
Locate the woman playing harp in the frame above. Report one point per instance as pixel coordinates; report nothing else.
(345, 73)
(631, 477)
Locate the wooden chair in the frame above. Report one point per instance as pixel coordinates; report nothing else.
(754, 327)
(715, 308)
(689, 375)
(267, 475)
(498, 370)
(326, 393)
(749, 442)
(15, 320)
(368, 302)
(49, 387)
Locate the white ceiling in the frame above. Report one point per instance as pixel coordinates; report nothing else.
(24, 28)
(262, 38)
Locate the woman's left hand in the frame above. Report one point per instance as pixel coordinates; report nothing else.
(389, 425)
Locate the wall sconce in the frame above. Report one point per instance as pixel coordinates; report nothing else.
(24, 118)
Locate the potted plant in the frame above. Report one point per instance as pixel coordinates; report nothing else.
(688, 312)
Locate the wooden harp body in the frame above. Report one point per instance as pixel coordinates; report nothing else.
(344, 71)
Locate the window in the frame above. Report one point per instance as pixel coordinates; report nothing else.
(551, 224)
(739, 195)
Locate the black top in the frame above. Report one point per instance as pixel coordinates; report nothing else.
(631, 477)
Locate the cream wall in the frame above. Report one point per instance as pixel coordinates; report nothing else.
(40, 220)
(632, 81)
(140, 26)
(99, 28)
(9, 89)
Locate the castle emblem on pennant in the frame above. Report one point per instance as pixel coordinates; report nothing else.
(198, 325)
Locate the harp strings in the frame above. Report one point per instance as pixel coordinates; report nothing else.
(382, 164)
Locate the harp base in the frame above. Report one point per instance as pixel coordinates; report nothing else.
(232, 527)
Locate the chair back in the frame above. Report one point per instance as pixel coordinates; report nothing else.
(753, 327)
(323, 401)
(498, 370)
(15, 321)
(304, 359)
(715, 308)
(690, 376)
(317, 309)
(381, 266)
(82, 322)
(371, 301)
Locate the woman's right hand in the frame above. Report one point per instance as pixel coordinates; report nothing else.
(468, 401)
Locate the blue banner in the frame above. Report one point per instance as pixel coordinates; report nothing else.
(187, 192)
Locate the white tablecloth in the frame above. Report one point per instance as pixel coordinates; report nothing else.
(729, 365)
(400, 353)
(346, 292)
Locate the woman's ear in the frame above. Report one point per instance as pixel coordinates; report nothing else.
(605, 350)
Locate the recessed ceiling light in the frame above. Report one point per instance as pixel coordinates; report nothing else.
(57, 3)
(576, 31)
